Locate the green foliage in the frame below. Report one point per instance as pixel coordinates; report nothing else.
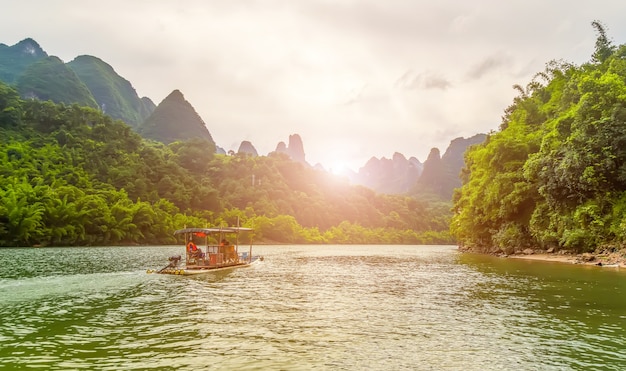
(555, 173)
(115, 95)
(15, 59)
(86, 81)
(51, 79)
(10, 110)
(21, 212)
(175, 119)
(604, 48)
(70, 175)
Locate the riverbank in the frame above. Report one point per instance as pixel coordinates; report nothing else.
(600, 257)
(603, 258)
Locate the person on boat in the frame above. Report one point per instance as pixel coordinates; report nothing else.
(193, 249)
(224, 243)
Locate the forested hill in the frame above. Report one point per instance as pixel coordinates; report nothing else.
(70, 175)
(89, 81)
(86, 80)
(51, 79)
(175, 119)
(15, 59)
(115, 95)
(554, 174)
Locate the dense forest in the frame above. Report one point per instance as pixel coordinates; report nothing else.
(554, 175)
(71, 175)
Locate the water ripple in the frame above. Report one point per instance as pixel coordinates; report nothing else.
(308, 307)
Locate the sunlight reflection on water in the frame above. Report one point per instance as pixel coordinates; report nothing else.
(308, 307)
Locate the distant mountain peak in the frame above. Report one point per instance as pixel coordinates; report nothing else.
(30, 47)
(441, 173)
(438, 175)
(51, 79)
(295, 148)
(248, 148)
(434, 155)
(175, 119)
(394, 176)
(115, 95)
(91, 59)
(281, 147)
(14, 60)
(398, 156)
(176, 94)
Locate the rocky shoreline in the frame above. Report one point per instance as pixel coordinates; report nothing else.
(601, 257)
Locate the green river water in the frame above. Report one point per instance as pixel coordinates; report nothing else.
(308, 308)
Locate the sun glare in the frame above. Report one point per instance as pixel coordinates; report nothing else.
(339, 168)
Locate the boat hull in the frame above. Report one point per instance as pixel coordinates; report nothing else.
(195, 270)
(190, 271)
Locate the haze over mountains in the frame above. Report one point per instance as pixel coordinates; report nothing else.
(89, 81)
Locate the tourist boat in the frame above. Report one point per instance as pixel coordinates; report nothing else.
(209, 250)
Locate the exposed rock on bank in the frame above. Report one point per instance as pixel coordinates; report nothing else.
(604, 257)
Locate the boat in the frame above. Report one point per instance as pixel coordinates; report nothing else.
(209, 250)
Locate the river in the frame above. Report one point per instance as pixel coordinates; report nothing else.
(308, 307)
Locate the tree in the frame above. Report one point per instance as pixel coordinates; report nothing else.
(604, 47)
(21, 214)
(555, 173)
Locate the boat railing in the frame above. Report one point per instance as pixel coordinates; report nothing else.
(218, 255)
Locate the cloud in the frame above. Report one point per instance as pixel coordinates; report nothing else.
(355, 95)
(489, 65)
(423, 81)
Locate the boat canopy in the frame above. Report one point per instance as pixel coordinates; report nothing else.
(208, 231)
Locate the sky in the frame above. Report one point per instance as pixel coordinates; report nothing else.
(355, 79)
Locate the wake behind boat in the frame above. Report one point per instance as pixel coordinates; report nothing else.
(210, 249)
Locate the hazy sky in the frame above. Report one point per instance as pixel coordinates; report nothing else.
(354, 79)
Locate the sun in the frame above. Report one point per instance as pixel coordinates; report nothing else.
(339, 168)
